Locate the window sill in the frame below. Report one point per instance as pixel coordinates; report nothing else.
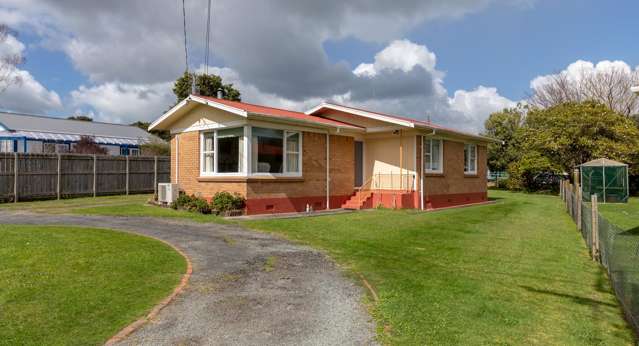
(434, 174)
(244, 179)
(471, 175)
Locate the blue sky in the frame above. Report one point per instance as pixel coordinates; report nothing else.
(497, 44)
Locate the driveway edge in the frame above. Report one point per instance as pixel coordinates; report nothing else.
(126, 331)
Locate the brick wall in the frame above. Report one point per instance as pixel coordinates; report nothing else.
(453, 187)
(275, 195)
(189, 169)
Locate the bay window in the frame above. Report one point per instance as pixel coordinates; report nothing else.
(268, 152)
(470, 159)
(433, 155)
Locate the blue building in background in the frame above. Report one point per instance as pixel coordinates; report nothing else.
(28, 133)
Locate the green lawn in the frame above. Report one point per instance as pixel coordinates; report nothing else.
(516, 272)
(132, 205)
(624, 215)
(79, 286)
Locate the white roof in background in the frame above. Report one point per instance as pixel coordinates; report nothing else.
(635, 89)
(603, 162)
(50, 136)
(50, 128)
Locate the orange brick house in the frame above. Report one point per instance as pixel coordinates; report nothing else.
(331, 156)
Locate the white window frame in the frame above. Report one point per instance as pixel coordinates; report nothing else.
(441, 155)
(215, 173)
(468, 160)
(247, 158)
(285, 172)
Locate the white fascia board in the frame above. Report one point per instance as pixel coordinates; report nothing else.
(460, 134)
(200, 100)
(361, 113)
(168, 113)
(220, 106)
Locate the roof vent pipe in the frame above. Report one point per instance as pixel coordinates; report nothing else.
(220, 93)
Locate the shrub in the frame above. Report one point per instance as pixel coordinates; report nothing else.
(225, 201)
(200, 205)
(183, 200)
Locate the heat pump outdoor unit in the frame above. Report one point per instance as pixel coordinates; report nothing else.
(167, 192)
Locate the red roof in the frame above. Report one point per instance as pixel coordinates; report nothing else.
(279, 113)
(413, 120)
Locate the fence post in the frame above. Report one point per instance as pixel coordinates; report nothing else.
(59, 175)
(155, 176)
(95, 173)
(578, 202)
(127, 174)
(595, 228)
(15, 177)
(561, 189)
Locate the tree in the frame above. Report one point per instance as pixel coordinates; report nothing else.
(8, 62)
(155, 148)
(80, 117)
(144, 125)
(559, 138)
(610, 87)
(206, 85)
(504, 126)
(86, 145)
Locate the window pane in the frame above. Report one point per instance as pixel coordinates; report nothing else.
(473, 158)
(292, 152)
(208, 163)
(292, 163)
(427, 156)
(465, 158)
(268, 150)
(435, 159)
(228, 150)
(208, 141)
(293, 142)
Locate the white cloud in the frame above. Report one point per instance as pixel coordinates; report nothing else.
(477, 105)
(11, 46)
(580, 68)
(401, 55)
(29, 96)
(125, 103)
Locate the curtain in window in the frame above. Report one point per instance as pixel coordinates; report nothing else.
(292, 152)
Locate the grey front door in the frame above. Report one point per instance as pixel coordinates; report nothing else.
(359, 163)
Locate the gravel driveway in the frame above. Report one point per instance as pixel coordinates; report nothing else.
(247, 288)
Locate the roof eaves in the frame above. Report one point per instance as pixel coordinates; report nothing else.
(309, 122)
(363, 113)
(460, 133)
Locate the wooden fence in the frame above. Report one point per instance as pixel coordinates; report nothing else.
(26, 176)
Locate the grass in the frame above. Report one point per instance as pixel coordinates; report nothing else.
(516, 272)
(79, 286)
(624, 215)
(132, 205)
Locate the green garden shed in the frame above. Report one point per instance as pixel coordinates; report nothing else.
(606, 178)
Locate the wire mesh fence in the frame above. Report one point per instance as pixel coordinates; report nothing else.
(615, 248)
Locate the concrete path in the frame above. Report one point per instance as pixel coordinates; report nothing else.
(247, 288)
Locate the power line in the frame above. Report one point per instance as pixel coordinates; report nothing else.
(208, 31)
(186, 51)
